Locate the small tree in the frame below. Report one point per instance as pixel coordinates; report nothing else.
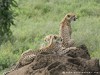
(6, 19)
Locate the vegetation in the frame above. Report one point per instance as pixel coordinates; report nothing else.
(6, 19)
(38, 18)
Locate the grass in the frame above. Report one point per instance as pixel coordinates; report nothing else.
(37, 18)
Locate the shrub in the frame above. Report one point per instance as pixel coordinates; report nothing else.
(6, 19)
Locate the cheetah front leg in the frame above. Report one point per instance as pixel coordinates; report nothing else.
(71, 43)
(65, 50)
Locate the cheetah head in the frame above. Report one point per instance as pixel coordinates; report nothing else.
(71, 17)
(53, 39)
(57, 39)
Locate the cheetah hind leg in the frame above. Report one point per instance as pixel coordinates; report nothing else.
(26, 58)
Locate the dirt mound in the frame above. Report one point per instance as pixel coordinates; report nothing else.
(71, 62)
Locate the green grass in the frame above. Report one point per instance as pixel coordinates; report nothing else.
(37, 18)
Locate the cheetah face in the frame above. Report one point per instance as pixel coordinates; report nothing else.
(47, 38)
(54, 39)
(71, 17)
(57, 40)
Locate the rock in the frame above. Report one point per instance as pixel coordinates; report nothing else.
(72, 62)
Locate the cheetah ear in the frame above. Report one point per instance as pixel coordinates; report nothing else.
(50, 36)
(61, 39)
(68, 15)
(55, 37)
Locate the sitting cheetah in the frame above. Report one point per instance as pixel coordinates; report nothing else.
(54, 43)
(28, 56)
(65, 29)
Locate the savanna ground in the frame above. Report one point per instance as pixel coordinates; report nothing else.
(38, 18)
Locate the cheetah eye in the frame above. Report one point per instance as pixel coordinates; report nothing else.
(68, 15)
(61, 39)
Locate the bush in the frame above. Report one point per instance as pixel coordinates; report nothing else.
(6, 19)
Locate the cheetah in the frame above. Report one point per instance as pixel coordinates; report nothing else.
(54, 43)
(65, 29)
(47, 40)
(28, 56)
